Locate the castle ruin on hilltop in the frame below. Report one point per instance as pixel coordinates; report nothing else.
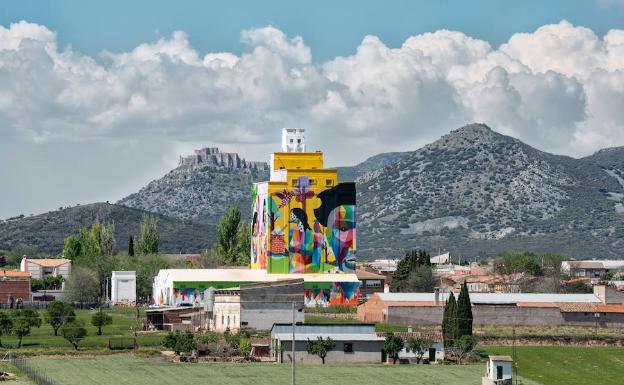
(212, 156)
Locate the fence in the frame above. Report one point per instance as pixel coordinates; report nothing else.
(36, 375)
(44, 305)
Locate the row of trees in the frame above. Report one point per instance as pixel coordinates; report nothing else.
(93, 259)
(226, 345)
(233, 242)
(414, 273)
(60, 316)
(457, 323)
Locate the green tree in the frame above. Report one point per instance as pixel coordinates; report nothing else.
(20, 328)
(185, 343)
(131, 246)
(82, 285)
(169, 340)
(57, 313)
(419, 346)
(421, 280)
(392, 346)
(320, 347)
(232, 237)
(101, 319)
(148, 239)
(6, 324)
(146, 267)
(73, 332)
(245, 348)
(413, 269)
(14, 257)
(464, 346)
(464, 312)
(450, 331)
(22, 322)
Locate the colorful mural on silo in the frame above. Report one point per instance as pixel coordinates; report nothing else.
(304, 222)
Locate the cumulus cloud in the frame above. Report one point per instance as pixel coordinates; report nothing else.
(559, 88)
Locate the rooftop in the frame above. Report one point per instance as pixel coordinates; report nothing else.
(247, 275)
(492, 298)
(14, 274)
(48, 262)
(363, 274)
(501, 358)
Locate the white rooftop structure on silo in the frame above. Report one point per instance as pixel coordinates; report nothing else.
(123, 287)
(293, 140)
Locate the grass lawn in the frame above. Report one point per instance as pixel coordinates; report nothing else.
(42, 340)
(129, 369)
(564, 365)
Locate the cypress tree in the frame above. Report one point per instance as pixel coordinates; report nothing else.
(131, 246)
(464, 312)
(452, 329)
(445, 324)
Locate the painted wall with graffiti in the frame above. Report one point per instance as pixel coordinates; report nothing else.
(299, 227)
(332, 294)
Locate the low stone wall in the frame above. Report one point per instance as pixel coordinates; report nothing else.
(503, 315)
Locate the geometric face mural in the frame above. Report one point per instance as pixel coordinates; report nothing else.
(299, 231)
(332, 294)
(303, 222)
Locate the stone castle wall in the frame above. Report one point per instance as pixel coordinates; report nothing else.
(211, 156)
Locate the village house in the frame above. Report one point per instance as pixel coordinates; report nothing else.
(592, 269)
(370, 283)
(44, 267)
(14, 286)
(354, 343)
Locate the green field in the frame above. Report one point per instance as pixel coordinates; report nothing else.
(128, 369)
(564, 365)
(42, 340)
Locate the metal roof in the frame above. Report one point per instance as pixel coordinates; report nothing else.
(492, 298)
(248, 275)
(333, 336)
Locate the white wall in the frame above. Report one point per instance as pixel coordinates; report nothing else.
(123, 287)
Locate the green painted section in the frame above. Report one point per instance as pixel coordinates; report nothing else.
(206, 285)
(227, 285)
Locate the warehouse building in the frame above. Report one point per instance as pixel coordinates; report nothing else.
(605, 307)
(175, 287)
(354, 343)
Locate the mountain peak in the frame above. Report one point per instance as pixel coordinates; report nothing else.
(471, 135)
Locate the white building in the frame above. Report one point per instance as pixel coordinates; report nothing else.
(498, 371)
(44, 267)
(123, 287)
(226, 311)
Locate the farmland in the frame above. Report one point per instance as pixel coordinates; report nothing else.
(42, 340)
(563, 365)
(130, 369)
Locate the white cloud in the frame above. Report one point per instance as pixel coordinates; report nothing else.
(559, 88)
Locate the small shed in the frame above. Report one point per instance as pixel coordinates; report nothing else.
(498, 371)
(123, 287)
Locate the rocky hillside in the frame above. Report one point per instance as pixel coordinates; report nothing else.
(47, 231)
(476, 192)
(202, 187)
(473, 192)
(350, 174)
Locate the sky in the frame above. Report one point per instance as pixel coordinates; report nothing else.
(99, 98)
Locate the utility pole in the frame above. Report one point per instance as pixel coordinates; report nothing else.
(293, 344)
(513, 352)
